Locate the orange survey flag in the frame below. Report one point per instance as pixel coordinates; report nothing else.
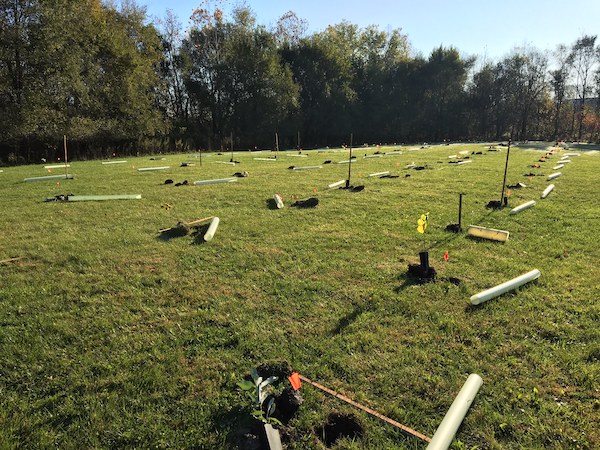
(446, 256)
(295, 380)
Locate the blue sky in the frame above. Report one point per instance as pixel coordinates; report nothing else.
(488, 28)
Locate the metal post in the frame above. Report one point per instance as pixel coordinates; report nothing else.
(349, 163)
(505, 172)
(460, 196)
(66, 161)
(231, 143)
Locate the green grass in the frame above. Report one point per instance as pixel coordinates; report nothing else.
(113, 338)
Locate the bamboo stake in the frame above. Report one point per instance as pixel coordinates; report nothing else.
(12, 259)
(193, 222)
(367, 410)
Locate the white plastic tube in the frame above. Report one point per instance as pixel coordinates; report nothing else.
(465, 162)
(553, 176)
(464, 152)
(298, 156)
(491, 293)
(488, 233)
(307, 168)
(114, 162)
(225, 162)
(347, 161)
(443, 436)
(89, 198)
(264, 159)
(560, 166)
(59, 166)
(378, 174)
(572, 154)
(216, 181)
(336, 184)
(564, 161)
(397, 152)
(547, 191)
(278, 201)
(150, 169)
(212, 228)
(452, 156)
(522, 207)
(49, 177)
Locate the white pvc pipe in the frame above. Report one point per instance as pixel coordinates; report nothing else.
(219, 180)
(87, 198)
(298, 156)
(410, 166)
(488, 233)
(59, 166)
(464, 152)
(336, 184)
(564, 157)
(225, 162)
(377, 174)
(491, 293)
(560, 166)
(397, 152)
(278, 201)
(149, 169)
(307, 167)
(547, 191)
(113, 162)
(522, 207)
(50, 177)
(553, 176)
(264, 159)
(564, 161)
(452, 156)
(465, 162)
(443, 436)
(212, 228)
(572, 154)
(346, 161)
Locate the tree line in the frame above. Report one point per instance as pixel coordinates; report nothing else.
(113, 81)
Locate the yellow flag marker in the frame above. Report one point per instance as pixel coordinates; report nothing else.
(422, 223)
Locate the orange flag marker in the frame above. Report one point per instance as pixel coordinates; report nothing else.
(295, 380)
(446, 256)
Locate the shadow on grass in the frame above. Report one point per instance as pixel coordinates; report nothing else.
(348, 319)
(241, 429)
(199, 233)
(181, 230)
(271, 204)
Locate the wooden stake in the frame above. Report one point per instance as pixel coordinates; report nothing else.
(367, 410)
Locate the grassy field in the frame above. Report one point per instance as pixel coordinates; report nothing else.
(111, 337)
